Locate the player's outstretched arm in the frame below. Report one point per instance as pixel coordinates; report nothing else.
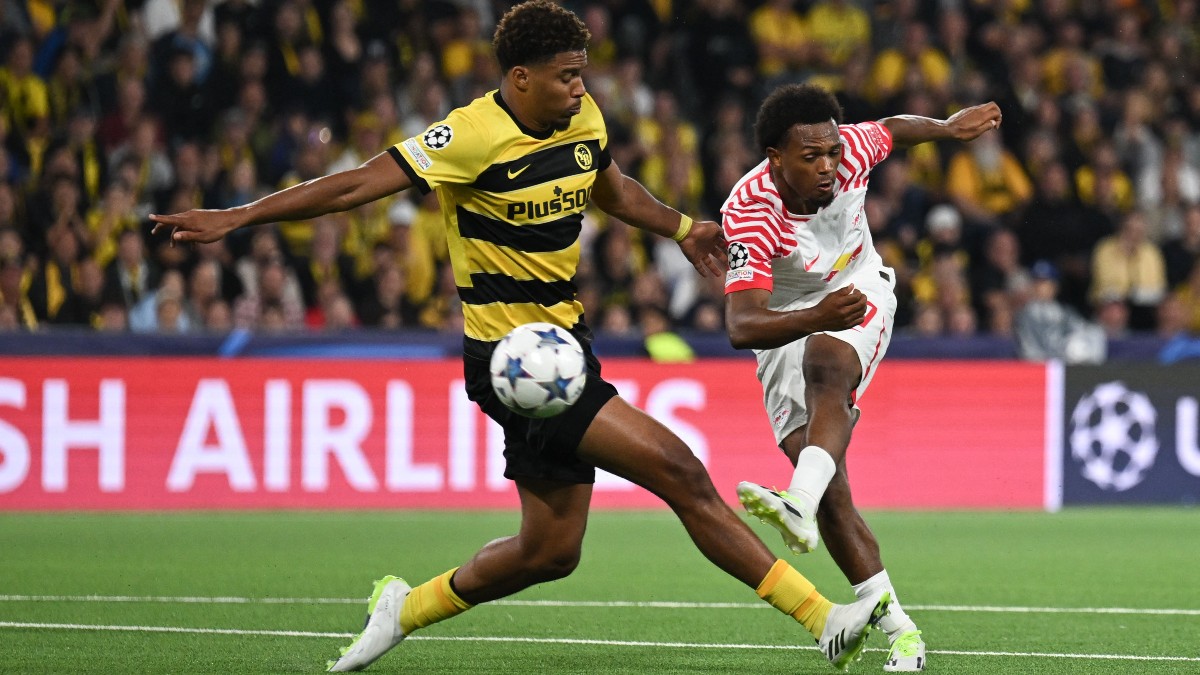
(752, 325)
(378, 177)
(965, 125)
(623, 197)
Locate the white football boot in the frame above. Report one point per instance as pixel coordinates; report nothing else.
(847, 628)
(782, 512)
(381, 631)
(907, 654)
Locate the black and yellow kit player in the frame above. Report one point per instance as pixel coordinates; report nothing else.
(513, 201)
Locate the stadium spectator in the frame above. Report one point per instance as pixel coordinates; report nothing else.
(143, 152)
(785, 48)
(987, 184)
(219, 318)
(326, 264)
(541, 91)
(1057, 228)
(1102, 183)
(999, 283)
(272, 300)
(107, 220)
(725, 154)
(1049, 329)
(163, 309)
(1182, 252)
(1128, 269)
(670, 168)
(942, 258)
(839, 28)
(343, 51)
(131, 275)
(384, 305)
(203, 289)
(916, 58)
(26, 112)
(721, 51)
(1166, 190)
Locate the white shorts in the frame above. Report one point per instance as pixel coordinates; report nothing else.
(781, 370)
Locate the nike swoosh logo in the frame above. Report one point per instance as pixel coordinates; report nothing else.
(513, 174)
(808, 265)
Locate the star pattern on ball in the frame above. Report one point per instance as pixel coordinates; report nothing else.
(549, 337)
(514, 370)
(557, 387)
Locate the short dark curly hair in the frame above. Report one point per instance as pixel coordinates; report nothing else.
(790, 105)
(534, 32)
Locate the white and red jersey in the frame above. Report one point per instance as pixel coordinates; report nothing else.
(796, 256)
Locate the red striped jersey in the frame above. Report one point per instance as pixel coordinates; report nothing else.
(796, 256)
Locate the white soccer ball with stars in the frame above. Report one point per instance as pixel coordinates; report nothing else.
(1113, 436)
(538, 370)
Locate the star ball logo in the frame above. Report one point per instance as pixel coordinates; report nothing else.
(438, 137)
(739, 255)
(1113, 437)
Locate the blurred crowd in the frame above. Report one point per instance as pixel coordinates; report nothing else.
(1084, 206)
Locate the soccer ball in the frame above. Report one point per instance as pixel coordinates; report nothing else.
(1113, 436)
(538, 370)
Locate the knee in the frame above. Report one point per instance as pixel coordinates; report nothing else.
(684, 482)
(550, 564)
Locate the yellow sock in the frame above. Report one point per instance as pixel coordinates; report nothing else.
(431, 602)
(793, 594)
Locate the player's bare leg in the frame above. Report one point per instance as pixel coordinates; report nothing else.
(627, 442)
(631, 444)
(547, 546)
(831, 371)
(853, 546)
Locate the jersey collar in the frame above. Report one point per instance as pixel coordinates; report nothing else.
(540, 135)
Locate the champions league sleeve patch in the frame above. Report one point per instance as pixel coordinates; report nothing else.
(739, 255)
(438, 137)
(417, 154)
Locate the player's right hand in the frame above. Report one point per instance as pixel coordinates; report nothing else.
(198, 225)
(842, 309)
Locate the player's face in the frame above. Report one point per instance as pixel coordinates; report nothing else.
(806, 166)
(557, 88)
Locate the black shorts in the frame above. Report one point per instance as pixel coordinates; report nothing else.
(542, 448)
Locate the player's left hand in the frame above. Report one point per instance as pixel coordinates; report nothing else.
(971, 123)
(704, 247)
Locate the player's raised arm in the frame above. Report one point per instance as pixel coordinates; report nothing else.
(378, 177)
(965, 125)
(621, 196)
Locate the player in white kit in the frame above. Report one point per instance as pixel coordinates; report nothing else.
(808, 293)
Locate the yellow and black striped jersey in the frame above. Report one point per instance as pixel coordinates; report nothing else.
(513, 201)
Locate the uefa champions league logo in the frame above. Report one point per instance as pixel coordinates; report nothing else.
(1113, 436)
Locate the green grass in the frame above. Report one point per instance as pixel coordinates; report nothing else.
(950, 568)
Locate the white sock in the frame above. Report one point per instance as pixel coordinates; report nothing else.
(814, 469)
(896, 621)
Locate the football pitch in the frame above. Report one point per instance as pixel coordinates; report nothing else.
(1082, 591)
